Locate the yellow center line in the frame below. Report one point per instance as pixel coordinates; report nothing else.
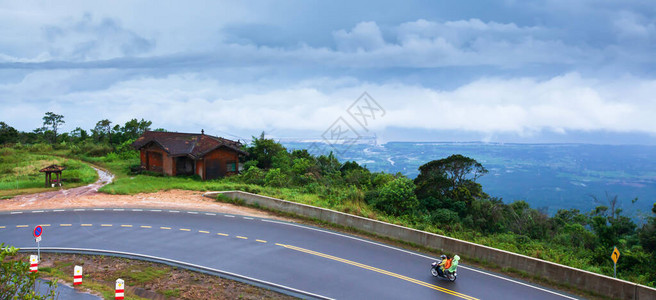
(281, 245)
(222, 234)
(126, 225)
(21, 226)
(65, 225)
(146, 226)
(185, 229)
(242, 237)
(261, 241)
(2, 227)
(106, 225)
(203, 231)
(363, 266)
(167, 228)
(45, 225)
(86, 225)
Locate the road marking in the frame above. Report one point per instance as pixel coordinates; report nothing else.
(418, 254)
(65, 225)
(222, 234)
(363, 266)
(15, 212)
(192, 212)
(45, 225)
(156, 210)
(37, 211)
(98, 209)
(118, 209)
(106, 225)
(79, 209)
(281, 245)
(185, 229)
(2, 227)
(21, 226)
(165, 228)
(58, 210)
(248, 218)
(229, 216)
(174, 211)
(210, 214)
(239, 237)
(203, 231)
(146, 226)
(137, 209)
(86, 225)
(261, 241)
(124, 225)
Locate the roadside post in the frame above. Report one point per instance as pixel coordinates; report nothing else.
(38, 230)
(120, 289)
(77, 275)
(34, 263)
(615, 256)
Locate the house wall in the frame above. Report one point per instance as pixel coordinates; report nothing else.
(151, 163)
(220, 156)
(200, 168)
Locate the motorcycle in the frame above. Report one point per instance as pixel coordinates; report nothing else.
(436, 272)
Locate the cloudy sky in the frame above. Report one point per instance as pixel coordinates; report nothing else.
(500, 71)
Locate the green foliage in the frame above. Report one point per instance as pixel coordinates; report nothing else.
(264, 150)
(397, 197)
(16, 281)
(275, 178)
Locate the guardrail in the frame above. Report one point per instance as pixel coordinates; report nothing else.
(581, 279)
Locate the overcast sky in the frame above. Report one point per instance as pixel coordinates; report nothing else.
(500, 71)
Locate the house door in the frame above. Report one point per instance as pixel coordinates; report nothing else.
(215, 169)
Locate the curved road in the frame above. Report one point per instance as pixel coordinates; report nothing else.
(317, 261)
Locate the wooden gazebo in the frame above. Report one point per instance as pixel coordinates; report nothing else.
(53, 169)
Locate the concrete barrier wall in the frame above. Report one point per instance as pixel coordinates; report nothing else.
(584, 280)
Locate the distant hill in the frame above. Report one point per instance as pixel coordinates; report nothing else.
(548, 176)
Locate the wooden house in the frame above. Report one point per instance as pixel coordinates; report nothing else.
(176, 153)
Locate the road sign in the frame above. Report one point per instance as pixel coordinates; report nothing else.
(38, 231)
(34, 263)
(615, 255)
(37, 239)
(77, 275)
(120, 289)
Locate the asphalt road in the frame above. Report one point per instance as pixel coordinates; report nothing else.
(314, 260)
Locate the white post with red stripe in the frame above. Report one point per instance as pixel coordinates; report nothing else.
(34, 263)
(77, 275)
(120, 289)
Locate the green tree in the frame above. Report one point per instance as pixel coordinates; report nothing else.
(102, 130)
(16, 282)
(8, 134)
(397, 197)
(263, 150)
(53, 121)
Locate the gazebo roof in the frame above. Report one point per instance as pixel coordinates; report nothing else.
(53, 168)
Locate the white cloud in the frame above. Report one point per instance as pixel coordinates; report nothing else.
(365, 36)
(188, 102)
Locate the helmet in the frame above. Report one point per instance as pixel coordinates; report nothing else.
(443, 256)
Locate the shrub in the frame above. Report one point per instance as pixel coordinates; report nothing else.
(275, 178)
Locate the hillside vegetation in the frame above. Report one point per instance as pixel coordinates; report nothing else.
(445, 198)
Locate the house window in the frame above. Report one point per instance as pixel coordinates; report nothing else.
(231, 166)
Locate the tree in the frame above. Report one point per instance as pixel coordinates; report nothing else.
(53, 121)
(264, 150)
(102, 130)
(16, 282)
(8, 134)
(397, 197)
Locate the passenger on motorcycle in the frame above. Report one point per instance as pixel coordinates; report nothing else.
(442, 265)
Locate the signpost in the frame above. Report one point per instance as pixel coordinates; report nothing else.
(77, 275)
(615, 256)
(120, 289)
(38, 230)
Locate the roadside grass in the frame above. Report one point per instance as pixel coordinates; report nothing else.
(19, 172)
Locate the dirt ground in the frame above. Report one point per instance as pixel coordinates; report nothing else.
(88, 196)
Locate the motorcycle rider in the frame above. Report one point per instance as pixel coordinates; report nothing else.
(454, 264)
(442, 265)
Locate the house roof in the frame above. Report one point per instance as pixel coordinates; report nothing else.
(53, 168)
(189, 144)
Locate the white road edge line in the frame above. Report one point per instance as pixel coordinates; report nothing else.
(229, 216)
(248, 218)
(37, 211)
(420, 255)
(98, 209)
(56, 210)
(210, 214)
(186, 264)
(157, 210)
(79, 209)
(15, 212)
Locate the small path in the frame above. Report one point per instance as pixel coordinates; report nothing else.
(104, 178)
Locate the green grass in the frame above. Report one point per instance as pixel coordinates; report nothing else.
(19, 172)
(145, 275)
